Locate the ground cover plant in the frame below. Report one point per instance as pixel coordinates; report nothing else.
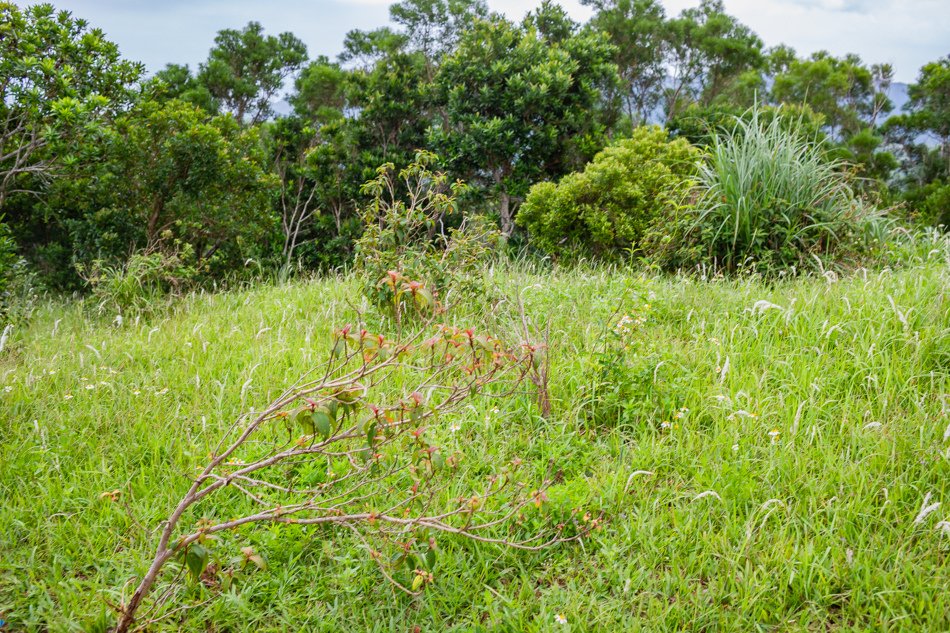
(776, 458)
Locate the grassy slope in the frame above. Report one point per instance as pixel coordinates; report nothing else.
(815, 531)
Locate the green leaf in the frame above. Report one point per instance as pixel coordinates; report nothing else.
(304, 418)
(339, 348)
(196, 559)
(430, 559)
(371, 434)
(320, 421)
(417, 582)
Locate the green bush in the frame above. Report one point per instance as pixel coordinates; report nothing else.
(930, 204)
(410, 261)
(17, 282)
(700, 125)
(769, 199)
(605, 210)
(8, 259)
(143, 283)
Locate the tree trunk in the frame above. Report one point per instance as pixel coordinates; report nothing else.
(127, 619)
(504, 211)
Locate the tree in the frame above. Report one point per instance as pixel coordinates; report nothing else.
(320, 91)
(518, 107)
(637, 29)
(843, 90)
(708, 50)
(924, 178)
(394, 104)
(433, 27)
(167, 173)
(365, 48)
(930, 104)
(58, 80)
(176, 81)
(246, 69)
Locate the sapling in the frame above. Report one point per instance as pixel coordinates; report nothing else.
(338, 449)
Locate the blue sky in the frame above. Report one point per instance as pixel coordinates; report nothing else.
(906, 33)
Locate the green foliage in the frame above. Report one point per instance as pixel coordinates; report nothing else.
(246, 69)
(701, 125)
(173, 173)
(516, 107)
(770, 200)
(58, 79)
(930, 204)
(141, 284)
(843, 90)
(177, 82)
(409, 261)
(709, 51)
(622, 378)
(924, 168)
(637, 28)
(8, 257)
(320, 94)
(18, 283)
(433, 27)
(606, 209)
(930, 99)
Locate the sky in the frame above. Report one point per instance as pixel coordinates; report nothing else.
(905, 33)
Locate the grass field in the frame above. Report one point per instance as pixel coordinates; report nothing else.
(814, 428)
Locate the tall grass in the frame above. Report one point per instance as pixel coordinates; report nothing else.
(771, 198)
(816, 412)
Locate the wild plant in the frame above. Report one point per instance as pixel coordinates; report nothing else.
(141, 283)
(349, 447)
(406, 237)
(630, 380)
(771, 199)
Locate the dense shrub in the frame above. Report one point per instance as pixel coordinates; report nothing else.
(410, 260)
(605, 209)
(17, 282)
(700, 125)
(143, 283)
(769, 199)
(930, 205)
(8, 260)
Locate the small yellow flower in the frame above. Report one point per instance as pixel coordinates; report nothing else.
(775, 434)
(560, 619)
